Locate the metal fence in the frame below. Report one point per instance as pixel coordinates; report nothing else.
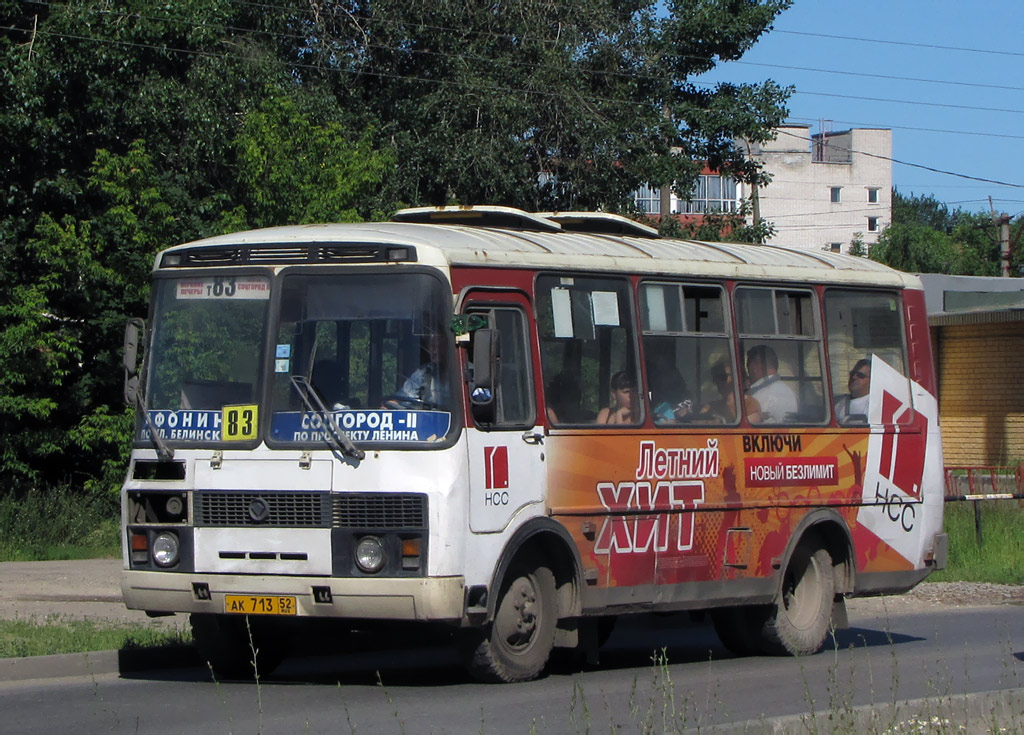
(985, 482)
(977, 483)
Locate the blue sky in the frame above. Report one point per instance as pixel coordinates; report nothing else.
(952, 103)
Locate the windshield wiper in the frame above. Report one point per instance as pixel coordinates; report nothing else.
(164, 452)
(335, 436)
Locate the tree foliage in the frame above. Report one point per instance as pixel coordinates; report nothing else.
(926, 237)
(132, 125)
(717, 227)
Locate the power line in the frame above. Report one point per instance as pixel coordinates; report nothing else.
(436, 81)
(878, 76)
(901, 43)
(915, 129)
(973, 201)
(398, 23)
(909, 102)
(914, 165)
(624, 75)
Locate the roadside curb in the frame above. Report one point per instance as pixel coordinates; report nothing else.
(96, 663)
(978, 712)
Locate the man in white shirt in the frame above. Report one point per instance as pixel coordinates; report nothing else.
(424, 388)
(775, 398)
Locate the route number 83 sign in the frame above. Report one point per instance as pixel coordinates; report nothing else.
(239, 423)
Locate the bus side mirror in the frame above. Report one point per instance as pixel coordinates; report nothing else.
(485, 368)
(133, 334)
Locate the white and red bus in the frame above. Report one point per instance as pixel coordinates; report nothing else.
(521, 425)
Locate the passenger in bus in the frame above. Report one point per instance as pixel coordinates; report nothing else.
(424, 388)
(776, 399)
(623, 407)
(670, 398)
(852, 407)
(562, 396)
(722, 410)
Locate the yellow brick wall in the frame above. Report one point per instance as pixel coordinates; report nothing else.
(980, 368)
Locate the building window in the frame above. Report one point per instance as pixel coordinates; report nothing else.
(872, 196)
(873, 224)
(835, 194)
(711, 193)
(648, 199)
(835, 247)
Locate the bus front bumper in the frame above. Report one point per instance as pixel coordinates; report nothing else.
(425, 598)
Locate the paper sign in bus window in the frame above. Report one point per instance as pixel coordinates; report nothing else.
(606, 308)
(230, 288)
(561, 311)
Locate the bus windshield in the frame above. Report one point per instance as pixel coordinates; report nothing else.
(206, 352)
(375, 348)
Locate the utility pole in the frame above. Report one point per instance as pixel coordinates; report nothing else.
(1003, 220)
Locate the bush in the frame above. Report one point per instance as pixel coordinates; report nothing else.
(58, 523)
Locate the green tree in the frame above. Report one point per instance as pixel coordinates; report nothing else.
(60, 331)
(291, 169)
(131, 125)
(926, 237)
(914, 248)
(550, 105)
(857, 246)
(921, 210)
(717, 227)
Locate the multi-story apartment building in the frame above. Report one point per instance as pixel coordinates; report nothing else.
(827, 188)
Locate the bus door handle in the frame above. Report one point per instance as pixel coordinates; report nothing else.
(532, 437)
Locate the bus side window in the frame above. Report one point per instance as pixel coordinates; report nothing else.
(686, 353)
(862, 325)
(781, 346)
(587, 343)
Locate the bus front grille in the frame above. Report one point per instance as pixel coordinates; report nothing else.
(381, 511)
(230, 508)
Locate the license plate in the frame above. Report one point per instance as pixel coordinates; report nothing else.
(259, 604)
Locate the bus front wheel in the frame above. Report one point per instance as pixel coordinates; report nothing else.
(515, 646)
(799, 621)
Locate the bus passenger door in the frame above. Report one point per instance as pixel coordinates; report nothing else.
(506, 457)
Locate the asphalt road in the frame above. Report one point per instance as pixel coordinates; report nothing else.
(655, 675)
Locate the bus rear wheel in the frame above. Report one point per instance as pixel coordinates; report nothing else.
(799, 621)
(739, 628)
(235, 650)
(515, 646)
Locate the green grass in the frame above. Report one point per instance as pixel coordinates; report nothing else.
(64, 635)
(58, 523)
(1000, 558)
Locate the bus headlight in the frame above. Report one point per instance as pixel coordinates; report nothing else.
(165, 549)
(370, 554)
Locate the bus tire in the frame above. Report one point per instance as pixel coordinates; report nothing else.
(516, 644)
(739, 628)
(799, 621)
(224, 643)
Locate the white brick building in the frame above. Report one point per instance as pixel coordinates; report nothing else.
(826, 187)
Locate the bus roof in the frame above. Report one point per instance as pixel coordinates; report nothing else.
(484, 245)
